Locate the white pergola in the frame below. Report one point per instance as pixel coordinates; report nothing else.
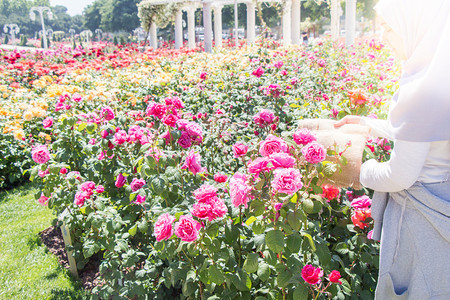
(290, 20)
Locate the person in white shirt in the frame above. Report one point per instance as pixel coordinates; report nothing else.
(411, 203)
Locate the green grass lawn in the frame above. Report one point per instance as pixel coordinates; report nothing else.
(27, 269)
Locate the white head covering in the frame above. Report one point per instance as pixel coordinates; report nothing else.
(420, 110)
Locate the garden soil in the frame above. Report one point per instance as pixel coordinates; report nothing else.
(53, 239)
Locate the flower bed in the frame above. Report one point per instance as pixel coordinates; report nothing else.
(187, 173)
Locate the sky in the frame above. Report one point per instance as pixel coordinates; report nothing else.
(74, 7)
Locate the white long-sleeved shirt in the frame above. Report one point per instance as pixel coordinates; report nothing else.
(427, 162)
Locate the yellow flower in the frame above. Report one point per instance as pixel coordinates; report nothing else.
(19, 134)
(28, 115)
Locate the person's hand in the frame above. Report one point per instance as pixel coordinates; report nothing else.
(349, 119)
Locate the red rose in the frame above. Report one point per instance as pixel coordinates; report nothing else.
(334, 277)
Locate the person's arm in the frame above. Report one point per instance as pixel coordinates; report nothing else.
(378, 128)
(400, 172)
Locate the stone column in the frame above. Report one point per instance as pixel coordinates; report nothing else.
(287, 22)
(191, 25)
(350, 22)
(218, 25)
(334, 19)
(179, 29)
(296, 17)
(153, 36)
(251, 10)
(207, 24)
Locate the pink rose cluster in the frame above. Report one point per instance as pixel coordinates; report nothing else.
(303, 136)
(192, 162)
(40, 154)
(265, 118)
(258, 72)
(362, 211)
(314, 152)
(135, 134)
(312, 275)
(239, 149)
(287, 181)
(48, 122)
(191, 133)
(107, 113)
(63, 104)
(87, 189)
(273, 90)
(208, 205)
(239, 190)
(271, 145)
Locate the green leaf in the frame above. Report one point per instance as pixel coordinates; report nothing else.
(283, 278)
(293, 221)
(323, 253)
(251, 263)
(293, 242)
(311, 242)
(301, 292)
(308, 206)
(231, 233)
(216, 275)
(250, 220)
(158, 185)
(82, 126)
(133, 230)
(241, 281)
(275, 241)
(341, 248)
(263, 271)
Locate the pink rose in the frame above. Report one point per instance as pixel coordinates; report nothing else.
(156, 109)
(185, 140)
(264, 118)
(42, 174)
(334, 277)
(201, 210)
(218, 209)
(282, 160)
(258, 165)
(63, 171)
(43, 200)
(48, 122)
(278, 206)
(203, 75)
(120, 137)
(88, 186)
(40, 154)
(220, 178)
(170, 120)
(287, 181)
(139, 199)
(271, 145)
(107, 113)
(311, 274)
(361, 202)
(239, 190)
(192, 163)
(205, 193)
(239, 149)
(303, 136)
(314, 152)
(137, 184)
(163, 227)
(181, 124)
(100, 189)
(370, 234)
(195, 131)
(187, 228)
(258, 72)
(120, 181)
(77, 97)
(80, 197)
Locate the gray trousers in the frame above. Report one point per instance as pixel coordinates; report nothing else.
(414, 227)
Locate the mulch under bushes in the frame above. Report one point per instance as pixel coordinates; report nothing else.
(53, 239)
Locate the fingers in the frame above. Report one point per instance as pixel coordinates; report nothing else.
(341, 122)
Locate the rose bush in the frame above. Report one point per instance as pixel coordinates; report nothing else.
(203, 186)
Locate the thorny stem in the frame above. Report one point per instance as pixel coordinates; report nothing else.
(239, 237)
